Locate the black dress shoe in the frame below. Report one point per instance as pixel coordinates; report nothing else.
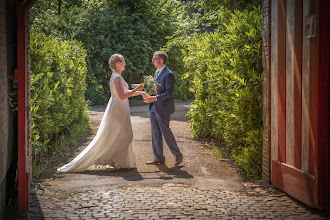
(155, 162)
(178, 159)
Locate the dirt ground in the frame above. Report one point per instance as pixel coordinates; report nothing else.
(199, 168)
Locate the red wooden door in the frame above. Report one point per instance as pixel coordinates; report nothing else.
(299, 97)
(21, 78)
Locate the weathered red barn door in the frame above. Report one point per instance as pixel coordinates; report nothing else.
(299, 99)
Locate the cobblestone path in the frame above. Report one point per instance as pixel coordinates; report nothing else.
(169, 201)
(204, 187)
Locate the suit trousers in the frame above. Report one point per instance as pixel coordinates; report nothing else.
(160, 126)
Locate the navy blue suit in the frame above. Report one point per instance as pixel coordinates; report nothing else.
(160, 115)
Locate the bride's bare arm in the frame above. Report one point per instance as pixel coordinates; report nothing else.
(125, 94)
(144, 94)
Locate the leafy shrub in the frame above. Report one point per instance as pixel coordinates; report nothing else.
(134, 29)
(249, 158)
(227, 69)
(110, 31)
(95, 96)
(58, 107)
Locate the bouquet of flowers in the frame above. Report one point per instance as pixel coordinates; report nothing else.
(150, 85)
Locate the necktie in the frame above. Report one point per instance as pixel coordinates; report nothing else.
(156, 74)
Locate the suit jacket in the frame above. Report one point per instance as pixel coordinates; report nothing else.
(165, 99)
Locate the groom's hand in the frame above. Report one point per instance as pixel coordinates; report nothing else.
(144, 95)
(150, 99)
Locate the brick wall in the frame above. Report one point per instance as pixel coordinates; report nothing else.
(266, 52)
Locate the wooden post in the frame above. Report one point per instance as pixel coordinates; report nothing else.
(21, 77)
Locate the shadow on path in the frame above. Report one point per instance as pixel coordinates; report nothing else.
(164, 173)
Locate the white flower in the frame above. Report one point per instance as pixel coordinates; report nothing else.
(150, 85)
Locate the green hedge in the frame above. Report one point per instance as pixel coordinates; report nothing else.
(227, 69)
(58, 107)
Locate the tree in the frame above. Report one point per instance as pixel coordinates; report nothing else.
(134, 29)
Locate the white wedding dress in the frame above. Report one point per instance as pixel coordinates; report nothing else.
(112, 144)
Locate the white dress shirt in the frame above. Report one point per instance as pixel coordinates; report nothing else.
(159, 71)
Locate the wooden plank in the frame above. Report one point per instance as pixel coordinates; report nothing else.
(313, 99)
(290, 37)
(20, 76)
(281, 81)
(297, 82)
(274, 80)
(295, 182)
(305, 92)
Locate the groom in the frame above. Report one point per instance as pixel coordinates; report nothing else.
(161, 107)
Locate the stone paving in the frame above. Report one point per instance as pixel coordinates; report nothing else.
(204, 187)
(168, 201)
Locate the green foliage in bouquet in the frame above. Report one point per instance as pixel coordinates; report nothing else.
(58, 107)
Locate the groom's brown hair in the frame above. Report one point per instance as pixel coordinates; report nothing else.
(162, 55)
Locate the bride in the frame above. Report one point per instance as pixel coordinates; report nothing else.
(112, 144)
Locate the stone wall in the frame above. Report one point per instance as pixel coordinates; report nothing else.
(4, 109)
(266, 57)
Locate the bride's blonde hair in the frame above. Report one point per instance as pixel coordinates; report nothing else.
(114, 59)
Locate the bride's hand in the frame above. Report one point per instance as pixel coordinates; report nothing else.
(139, 87)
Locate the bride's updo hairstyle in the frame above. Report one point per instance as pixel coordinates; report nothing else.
(114, 59)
